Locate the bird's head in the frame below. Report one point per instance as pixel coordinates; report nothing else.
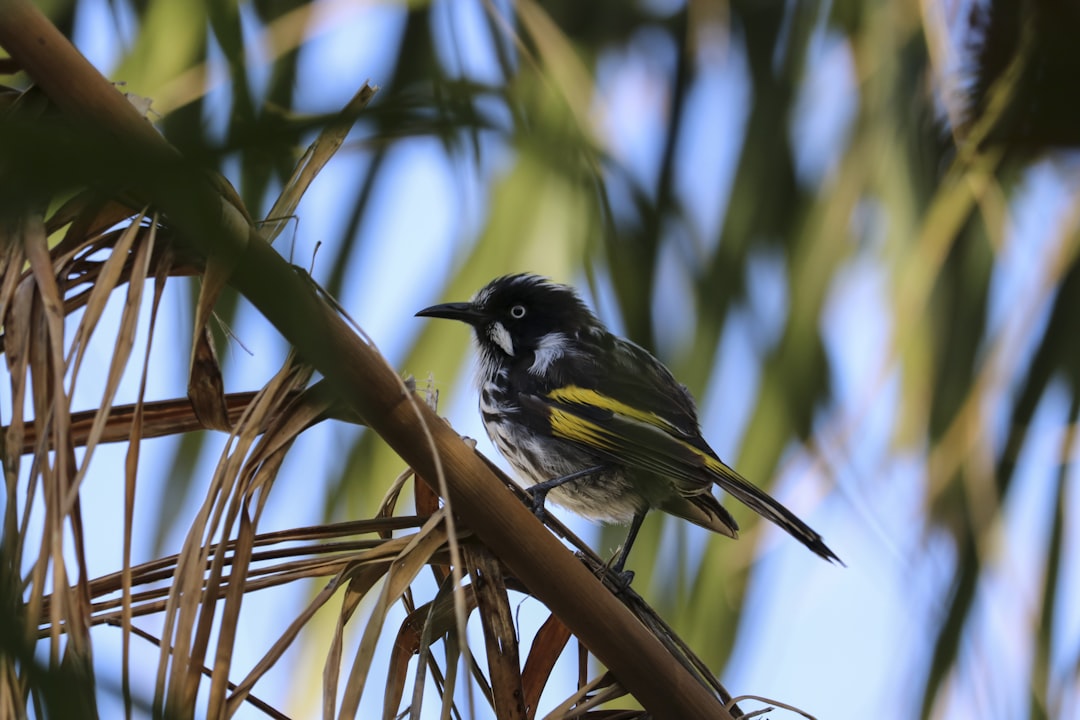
(517, 314)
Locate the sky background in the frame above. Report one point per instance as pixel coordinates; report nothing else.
(837, 642)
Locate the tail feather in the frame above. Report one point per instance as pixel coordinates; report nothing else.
(760, 502)
(702, 509)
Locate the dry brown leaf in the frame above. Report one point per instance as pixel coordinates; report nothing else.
(244, 470)
(11, 265)
(361, 579)
(131, 468)
(106, 281)
(314, 159)
(425, 499)
(15, 356)
(188, 615)
(125, 338)
(500, 636)
(403, 570)
(206, 386)
(260, 469)
(230, 613)
(51, 407)
(388, 504)
(418, 631)
(547, 645)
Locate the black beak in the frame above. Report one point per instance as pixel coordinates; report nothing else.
(463, 311)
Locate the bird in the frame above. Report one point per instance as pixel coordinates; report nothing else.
(595, 421)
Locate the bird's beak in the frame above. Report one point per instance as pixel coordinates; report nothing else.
(463, 311)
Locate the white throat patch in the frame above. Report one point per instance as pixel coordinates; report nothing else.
(501, 337)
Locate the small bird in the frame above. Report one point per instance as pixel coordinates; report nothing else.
(595, 420)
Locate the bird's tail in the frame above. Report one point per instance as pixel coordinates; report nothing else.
(760, 502)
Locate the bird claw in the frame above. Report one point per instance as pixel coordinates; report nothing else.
(538, 498)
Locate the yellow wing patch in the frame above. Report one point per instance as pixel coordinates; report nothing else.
(590, 398)
(572, 427)
(569, 425)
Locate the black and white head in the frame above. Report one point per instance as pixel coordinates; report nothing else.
(520, 316)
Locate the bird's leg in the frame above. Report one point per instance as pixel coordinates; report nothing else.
(617, 567)
(539, 491)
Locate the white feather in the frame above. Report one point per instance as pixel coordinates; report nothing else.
(501, 337)
(551, 347)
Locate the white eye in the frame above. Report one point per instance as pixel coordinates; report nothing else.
(517, 312)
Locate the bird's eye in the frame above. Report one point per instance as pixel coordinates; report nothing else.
(517, 312)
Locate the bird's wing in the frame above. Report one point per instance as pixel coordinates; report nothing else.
(646, 416)
(628, 435)
(639, 436)
(634, 377)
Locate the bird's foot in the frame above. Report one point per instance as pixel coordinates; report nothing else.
(621, 577)
(538, 495)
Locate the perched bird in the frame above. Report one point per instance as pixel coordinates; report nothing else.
(595, 420)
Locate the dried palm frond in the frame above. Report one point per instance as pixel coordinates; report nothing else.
(480, 543)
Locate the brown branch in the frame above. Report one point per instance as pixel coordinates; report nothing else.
(218, 231)
(171, 417)
(160, 418)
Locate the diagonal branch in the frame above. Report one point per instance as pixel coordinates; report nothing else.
(217, 231)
